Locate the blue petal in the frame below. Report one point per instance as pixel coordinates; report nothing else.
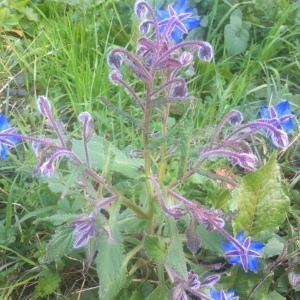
(192, 23)
(216, 295)
(283, 108)
(3, 122)
(177, 35)
(235, 260)
(179, 6)
(3, 151)
(256, 246)
(227, 246)
(252, 263)
(162, 14)
(240, 237)
(230, 293)
(264, 113)
(288, 125)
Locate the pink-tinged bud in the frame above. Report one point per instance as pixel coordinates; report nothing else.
(235, 117)
(140, 9)
(44, 106)
(86, 119)
(179, 90)
(114, 60)
(48, 167)
(186, 58)
(115, 76)
(294, 279)
(205, 52)
(145, 27)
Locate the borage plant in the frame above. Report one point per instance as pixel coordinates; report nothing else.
(130, 207)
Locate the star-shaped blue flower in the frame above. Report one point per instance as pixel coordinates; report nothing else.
(281, 112)
(223, 295)
(177, 19)
(8, 137)
(243, 251)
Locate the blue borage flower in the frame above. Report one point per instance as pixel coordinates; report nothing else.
(223, 295)
(180, 19)
(243, 251)
(8, 137)
(282, 112)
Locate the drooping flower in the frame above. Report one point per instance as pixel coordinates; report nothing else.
(223, 295)
(8, 137)
(281, 114)
(84, 229)
(244, 251)
(177, 20)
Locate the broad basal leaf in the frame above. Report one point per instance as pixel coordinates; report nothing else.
(109, 262)
(236, 35)
(261, 202)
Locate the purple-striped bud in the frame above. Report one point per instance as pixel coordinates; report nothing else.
(145, 27)
(193, 281)
(247, 161)
(140, 9)
(84, 229)
(205, 52)
(186, 58)
(279, 138)
(115, 76)
(87, 121)
(178, 293)
(193, 240)
(114, 60)
(211, 280)
(44, 106)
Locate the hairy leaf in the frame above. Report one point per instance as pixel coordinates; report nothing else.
(102, 153)
(261, 202)
(60, 244)
(109, 262)
(175, 258)
(155, 248)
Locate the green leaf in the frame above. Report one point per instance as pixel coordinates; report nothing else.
(245, 282)
(60, 244)
(175, 257)
(273, 296)
(103, 153)
(47, 284)
(274, 247)
(261, 202)
(155, 248)
(161, 293)
(210, 240)
(109, 263)
(236, 35)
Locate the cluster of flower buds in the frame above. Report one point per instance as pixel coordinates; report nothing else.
(158, 60)
(235, 146)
